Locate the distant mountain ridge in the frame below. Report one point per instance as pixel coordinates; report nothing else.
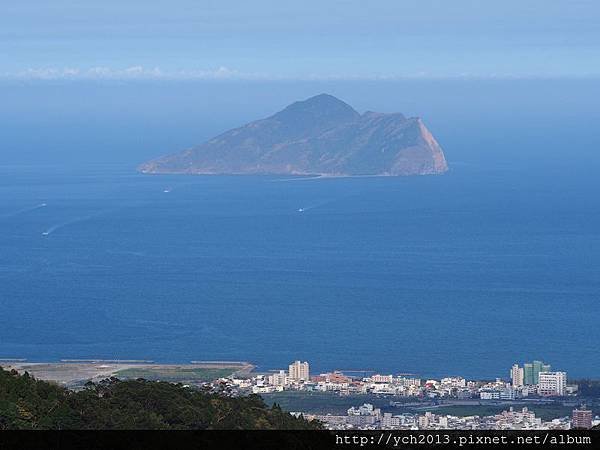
(318, 136)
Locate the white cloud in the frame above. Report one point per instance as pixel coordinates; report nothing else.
(128, 73)
(225, 73)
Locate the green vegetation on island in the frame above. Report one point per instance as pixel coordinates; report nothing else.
(28, 403)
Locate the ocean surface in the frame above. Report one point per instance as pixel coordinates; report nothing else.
(458, 274)
(496, 262)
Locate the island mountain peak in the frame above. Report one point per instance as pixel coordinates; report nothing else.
(322, 102)
(319, 135)
(317, 113)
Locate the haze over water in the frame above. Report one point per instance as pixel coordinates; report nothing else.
(494, 263)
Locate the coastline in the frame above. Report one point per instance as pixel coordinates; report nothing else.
(75, 373)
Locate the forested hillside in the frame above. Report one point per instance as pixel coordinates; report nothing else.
(27, 403)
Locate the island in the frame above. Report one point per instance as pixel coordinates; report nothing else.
(318, 136)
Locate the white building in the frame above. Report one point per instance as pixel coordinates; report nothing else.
(552, 383)
(278, 379)
(299, 371)
(517, 375)
(404, 381)
(489, 395)
(382, 378)
(508, 393)
(454, 382)
(390, 421)
(425, 420)
(363, 415)
(364, 410)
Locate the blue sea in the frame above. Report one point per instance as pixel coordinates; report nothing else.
(496, 262)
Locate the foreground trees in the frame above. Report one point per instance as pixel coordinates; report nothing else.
(27, 403)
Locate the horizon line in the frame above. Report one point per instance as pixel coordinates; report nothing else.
(222, 73)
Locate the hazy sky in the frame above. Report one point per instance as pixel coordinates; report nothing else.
(272, 39)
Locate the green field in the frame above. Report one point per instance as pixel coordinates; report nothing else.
(176, 374)
(322, 402)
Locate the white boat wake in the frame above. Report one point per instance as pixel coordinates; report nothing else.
(298, 178)
(313, 206)
(56, 227)
(23, 211)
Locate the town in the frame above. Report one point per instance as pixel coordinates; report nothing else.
(533, 381)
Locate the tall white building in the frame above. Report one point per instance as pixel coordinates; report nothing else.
(516, 375)
(299, 371)
(552, 383)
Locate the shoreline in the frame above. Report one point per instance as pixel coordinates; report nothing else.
(244, 367)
